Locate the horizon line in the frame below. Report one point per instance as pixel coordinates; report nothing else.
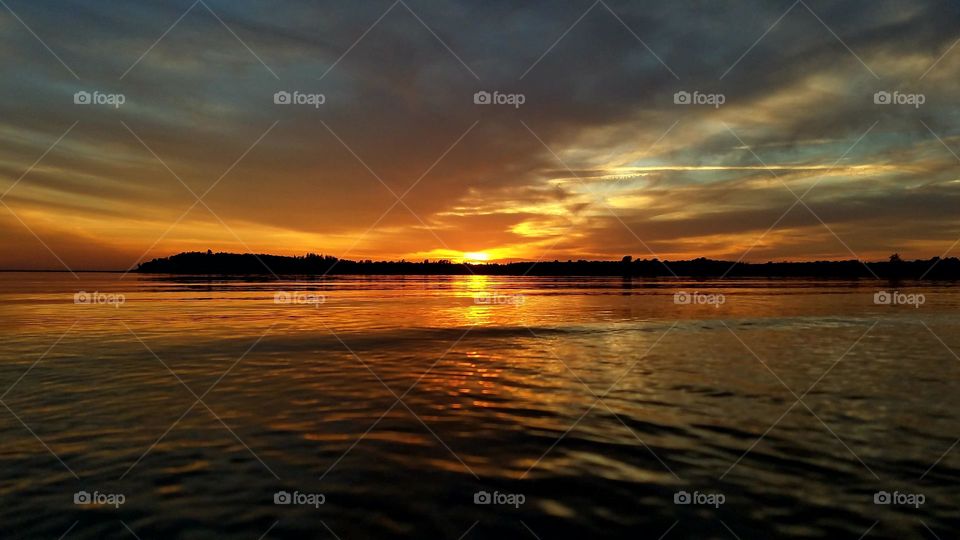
(133, 268)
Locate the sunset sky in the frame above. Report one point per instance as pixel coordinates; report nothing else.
(598, 162)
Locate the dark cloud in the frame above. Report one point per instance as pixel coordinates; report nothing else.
(599, 101)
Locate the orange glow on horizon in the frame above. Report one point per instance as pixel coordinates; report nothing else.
(476, 256)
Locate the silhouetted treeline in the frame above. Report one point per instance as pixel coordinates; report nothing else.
(199, 263)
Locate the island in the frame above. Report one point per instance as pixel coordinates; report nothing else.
(227, 264)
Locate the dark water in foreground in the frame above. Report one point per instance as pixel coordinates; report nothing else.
(591, 402)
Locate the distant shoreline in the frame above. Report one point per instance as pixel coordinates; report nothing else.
(234, 264)
(58, 271)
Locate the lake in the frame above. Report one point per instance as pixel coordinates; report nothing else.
(476, 407)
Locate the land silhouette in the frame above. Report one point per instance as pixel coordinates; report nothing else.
(227, 264)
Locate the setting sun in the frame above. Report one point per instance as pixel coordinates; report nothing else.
(476, 256)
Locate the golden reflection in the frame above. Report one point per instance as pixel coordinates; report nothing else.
(473, 283)
(473, 287)
(478, 315)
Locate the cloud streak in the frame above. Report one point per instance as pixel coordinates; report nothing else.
(599, 86)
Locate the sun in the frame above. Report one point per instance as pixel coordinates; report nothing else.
(476, 256)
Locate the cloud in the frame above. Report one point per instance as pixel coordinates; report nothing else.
(598, 143)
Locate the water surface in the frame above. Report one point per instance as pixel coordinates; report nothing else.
(399, 398)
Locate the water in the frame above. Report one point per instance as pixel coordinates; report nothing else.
(499, 397)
